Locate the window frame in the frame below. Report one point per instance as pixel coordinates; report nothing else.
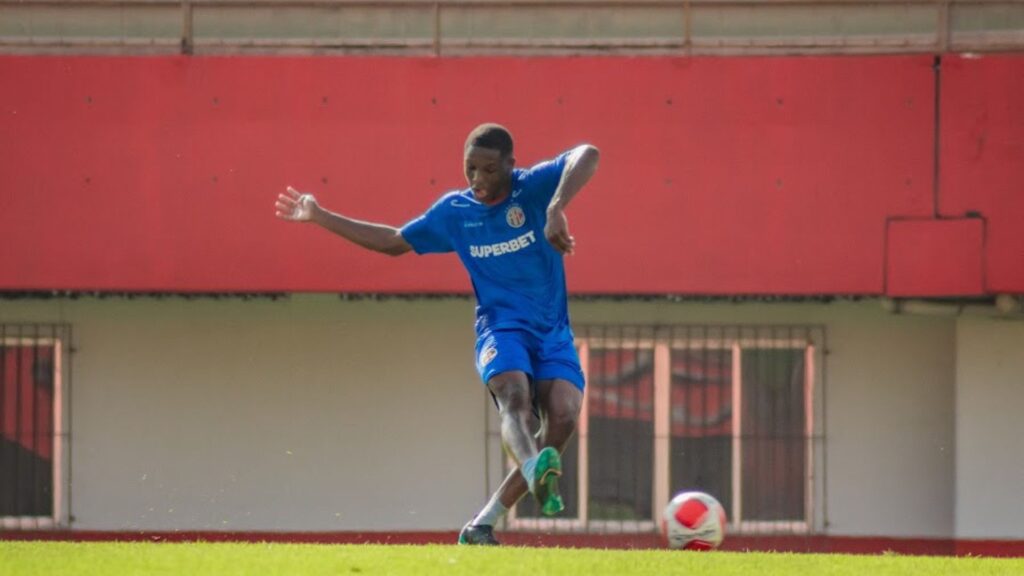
(59, 516)
(662, 347)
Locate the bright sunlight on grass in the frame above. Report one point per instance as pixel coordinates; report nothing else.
(218, 559)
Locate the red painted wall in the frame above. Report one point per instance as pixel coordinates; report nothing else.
(982, 158)
(925, 254)
(718, 175)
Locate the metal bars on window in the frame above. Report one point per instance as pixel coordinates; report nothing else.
(34, 375)
(726, 409)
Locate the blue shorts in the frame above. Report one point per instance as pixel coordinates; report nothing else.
(500, 351)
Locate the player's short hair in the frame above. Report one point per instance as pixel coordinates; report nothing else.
(492, 136)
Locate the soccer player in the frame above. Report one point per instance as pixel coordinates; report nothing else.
(510, 230)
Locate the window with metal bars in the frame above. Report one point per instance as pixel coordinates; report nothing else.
(727, 410)
(32, 387)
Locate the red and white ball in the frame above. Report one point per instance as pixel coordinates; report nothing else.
(693, 521)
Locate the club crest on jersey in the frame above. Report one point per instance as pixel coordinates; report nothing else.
(487, 354)
(515, 216)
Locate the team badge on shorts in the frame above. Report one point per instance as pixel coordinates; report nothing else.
(487, 354)
(515, 216)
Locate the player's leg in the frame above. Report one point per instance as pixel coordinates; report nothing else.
(559, 403)
(511, 392)
(556, 367)
(503, 362)
(480, 530)
(541, 468)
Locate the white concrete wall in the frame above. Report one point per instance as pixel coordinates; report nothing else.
(989, 429)
(314, 413)
(306, 414)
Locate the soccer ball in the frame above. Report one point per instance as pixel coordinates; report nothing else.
(693, 521)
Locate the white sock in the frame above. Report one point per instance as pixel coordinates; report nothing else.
(527, 469)
(491, 513)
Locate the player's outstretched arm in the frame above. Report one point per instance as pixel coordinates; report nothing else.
(579, 167)
(298, 207)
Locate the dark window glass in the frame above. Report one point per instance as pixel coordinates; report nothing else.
(621, 405)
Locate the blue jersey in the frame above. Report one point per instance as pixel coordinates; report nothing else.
(517, 275)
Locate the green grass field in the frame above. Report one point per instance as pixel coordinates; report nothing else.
(198, 559)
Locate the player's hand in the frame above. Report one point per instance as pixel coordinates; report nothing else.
(557, 232)
(296, 206)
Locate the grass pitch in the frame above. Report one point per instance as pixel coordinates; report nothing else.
(219, 559)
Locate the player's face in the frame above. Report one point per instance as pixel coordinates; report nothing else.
(488, 173)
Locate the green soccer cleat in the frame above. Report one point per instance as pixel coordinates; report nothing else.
(545, 481)
(477, 535)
